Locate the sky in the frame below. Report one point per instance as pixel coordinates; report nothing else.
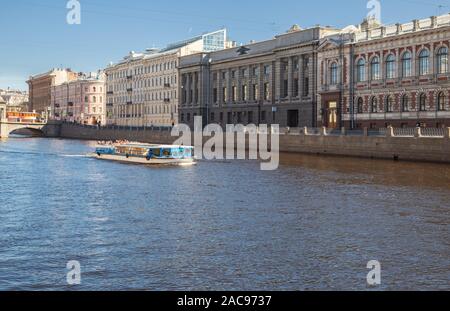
(35, 35)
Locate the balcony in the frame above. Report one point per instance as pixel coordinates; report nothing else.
(129, 90)
(57, 105)
(167, 100)
(70, 104)
(167, 85)
(129, 102)
(129, 77)
(109, 93)
(109, 105)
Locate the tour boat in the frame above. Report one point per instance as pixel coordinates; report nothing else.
(146, 154)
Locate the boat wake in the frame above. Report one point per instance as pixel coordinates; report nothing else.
(43, 154)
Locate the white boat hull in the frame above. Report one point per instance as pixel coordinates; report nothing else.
(137, 160)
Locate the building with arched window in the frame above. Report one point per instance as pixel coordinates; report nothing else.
(406, 65)
(361, 70)
(408, 80)
(334, 73)
(405, 103)
(424, 62)
(80, 101)
(375, 68)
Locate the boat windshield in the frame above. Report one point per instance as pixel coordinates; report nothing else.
(132, 151)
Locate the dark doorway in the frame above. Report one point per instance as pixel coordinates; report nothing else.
(292, 118)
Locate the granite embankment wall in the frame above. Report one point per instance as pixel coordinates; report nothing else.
(387, 146)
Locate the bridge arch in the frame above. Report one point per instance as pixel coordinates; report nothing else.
(26, 131)
(7, 128)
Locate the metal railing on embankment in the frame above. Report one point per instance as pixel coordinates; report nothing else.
(380, 132)
(307, 131)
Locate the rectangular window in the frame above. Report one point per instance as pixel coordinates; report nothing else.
(239, 117)
(245, 92)
(255, 71)
(267, 70)
(229, 118)
(263, 115)
(266, 91)
(295, 90)
(250, 117)
(285, 89)
(234, 94)
(225, 95)
(255, 92)
(215, 97)
(306, 87)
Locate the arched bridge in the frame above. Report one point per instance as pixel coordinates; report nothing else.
(7, 127)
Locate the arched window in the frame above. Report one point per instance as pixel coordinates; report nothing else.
(374, 105)
(423, 102)
(389, 105)
(390, 67)
(405, 103)
(360, 105)
(441, 101)
(95, 89)
(406, 65)
(334, 73)
(442, 60)
(94, 99)
(424, 62)
(375, 68)
(86, 99)
(361, 70)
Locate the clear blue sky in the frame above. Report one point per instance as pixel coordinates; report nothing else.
(35, 36)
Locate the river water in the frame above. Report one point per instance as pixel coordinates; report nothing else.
(313, 224)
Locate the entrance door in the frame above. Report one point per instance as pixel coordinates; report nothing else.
(292, 118)
(332, 115)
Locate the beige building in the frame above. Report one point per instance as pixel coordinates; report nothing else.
(40, 88)
(80, 101)
(142, 89)
(378, 75)
(269, 82)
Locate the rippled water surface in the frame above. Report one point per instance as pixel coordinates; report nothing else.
(225, 225)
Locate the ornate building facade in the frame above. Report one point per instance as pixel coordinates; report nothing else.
(80, 101)
(270, 82)
(374, 76)
(142, 89)
(40, 88)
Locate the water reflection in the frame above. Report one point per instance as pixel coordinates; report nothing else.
(384, 172)
(221, 225)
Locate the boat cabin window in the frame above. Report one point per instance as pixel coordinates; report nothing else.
(156, 152)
